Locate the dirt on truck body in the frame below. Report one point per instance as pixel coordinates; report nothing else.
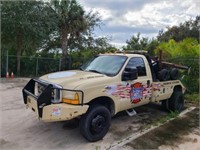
(104, 86)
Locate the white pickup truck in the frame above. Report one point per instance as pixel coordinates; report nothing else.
(104, 86)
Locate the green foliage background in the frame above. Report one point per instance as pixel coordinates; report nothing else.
(33, 33)
(186, 53)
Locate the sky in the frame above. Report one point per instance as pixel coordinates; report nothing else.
(122, 19)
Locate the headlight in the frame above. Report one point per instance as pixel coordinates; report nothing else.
(70, 97)
(56, 94)
(36, 92)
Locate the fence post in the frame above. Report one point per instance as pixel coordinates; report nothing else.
(36, 71)
(70, 62)
(6, 61)
(59, 64)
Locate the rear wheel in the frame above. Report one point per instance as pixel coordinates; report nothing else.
(164, 104)
(175, 102)
(95, 123)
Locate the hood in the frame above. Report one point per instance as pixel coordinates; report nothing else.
(73, 78)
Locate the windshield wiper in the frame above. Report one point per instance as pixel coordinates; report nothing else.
(81, 68)
(92, 70)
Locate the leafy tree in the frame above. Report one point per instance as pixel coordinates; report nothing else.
(72, 21)
(136, 43)
(185, 49)
(72, 28)
(152, 45)
(141, 43)
(90, 48)
(180, 32)
(25, 25)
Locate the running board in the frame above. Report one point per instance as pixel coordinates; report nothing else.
(131, 112)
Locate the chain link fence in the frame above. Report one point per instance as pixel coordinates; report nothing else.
(36, 66)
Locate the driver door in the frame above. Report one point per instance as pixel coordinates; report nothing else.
(136, 92)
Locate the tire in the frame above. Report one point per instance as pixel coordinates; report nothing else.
(164, 75)
(95, 123)
(164, 104)
(174, 73)
(176, 101)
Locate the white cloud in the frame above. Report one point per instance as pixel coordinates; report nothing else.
(104, 13)
(123, 18)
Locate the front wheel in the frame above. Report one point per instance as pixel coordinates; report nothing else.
(95, 123)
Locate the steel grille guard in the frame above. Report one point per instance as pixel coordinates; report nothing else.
(44, 98)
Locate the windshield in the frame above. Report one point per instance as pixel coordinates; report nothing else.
(104, 64)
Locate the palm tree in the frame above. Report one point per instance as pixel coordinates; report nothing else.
(71, 21)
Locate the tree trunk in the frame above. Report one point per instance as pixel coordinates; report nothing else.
(19, 39)
(64, 42)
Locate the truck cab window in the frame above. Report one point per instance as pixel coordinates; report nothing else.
(139, 64)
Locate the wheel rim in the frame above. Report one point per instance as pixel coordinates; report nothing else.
(98, 124)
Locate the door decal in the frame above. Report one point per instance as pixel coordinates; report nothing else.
(123, 91)
(136, 92)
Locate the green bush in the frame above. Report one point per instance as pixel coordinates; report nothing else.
(185, 53)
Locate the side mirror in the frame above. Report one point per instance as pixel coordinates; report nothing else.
(129, 74)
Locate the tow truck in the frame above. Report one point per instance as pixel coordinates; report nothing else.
(102, 87)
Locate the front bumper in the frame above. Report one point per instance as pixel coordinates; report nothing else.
(57, 112)
(46, 110)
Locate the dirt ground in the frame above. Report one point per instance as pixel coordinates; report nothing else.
(21, 129)
(186, 134)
